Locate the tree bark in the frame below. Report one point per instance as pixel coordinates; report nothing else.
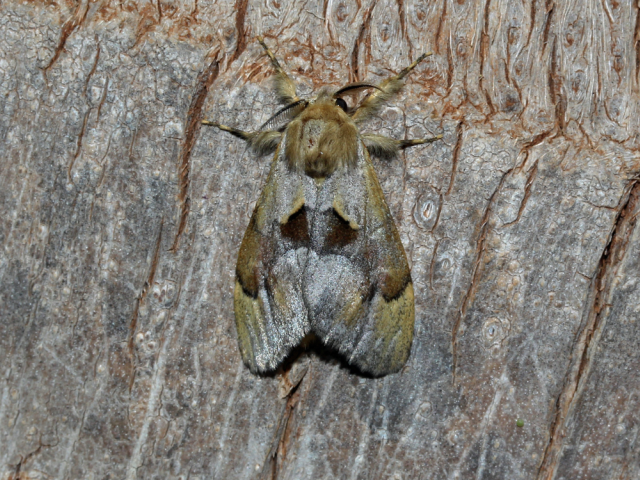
(122, 218)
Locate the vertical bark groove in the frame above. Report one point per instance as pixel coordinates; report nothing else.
(584, 347)
(194, 118)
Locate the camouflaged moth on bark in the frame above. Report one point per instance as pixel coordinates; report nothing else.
(322, 254)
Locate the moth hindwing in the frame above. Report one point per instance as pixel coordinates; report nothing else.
(322, 254)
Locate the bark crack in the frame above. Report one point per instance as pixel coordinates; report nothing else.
(532, 14)
(636, 42)
(67, 29)
(441, 20)
(449, 69)
(17, 475)
(484, 53)
(432, 264)
(438, 212)
(549, 7)
(360, 39)
(403, 27)
(282, 438)
(555, 89)
(475, 276)
(241, 44)
(93, 68)
(455, 156)
(586, 344)
(194, 117)
(143, 294)
(103, 98)
(527, 193)
(78, 144)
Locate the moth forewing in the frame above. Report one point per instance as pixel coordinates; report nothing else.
(270, 314)
(321, 253)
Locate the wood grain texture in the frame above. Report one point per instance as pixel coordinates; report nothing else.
(121, 220)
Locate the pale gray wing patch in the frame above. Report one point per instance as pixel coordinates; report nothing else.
(286, 321)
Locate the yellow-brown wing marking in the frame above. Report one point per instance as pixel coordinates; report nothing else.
(339, 207)
(247, 313)
(248, 257)
(394, 332)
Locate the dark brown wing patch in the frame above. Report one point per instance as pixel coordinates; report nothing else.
(296, 229)
(393, 286)
(339, 233)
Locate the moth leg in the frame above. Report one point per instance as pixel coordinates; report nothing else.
(233, 131)
(285, 87)
(387, 148)
(386, 90)
(262, 142)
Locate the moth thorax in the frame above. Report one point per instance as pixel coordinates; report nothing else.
(320, 146)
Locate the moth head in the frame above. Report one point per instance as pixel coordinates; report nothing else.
(322, 137)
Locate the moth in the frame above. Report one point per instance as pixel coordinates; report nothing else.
(321, 254)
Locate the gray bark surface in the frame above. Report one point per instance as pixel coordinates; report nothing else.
(121, 220)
